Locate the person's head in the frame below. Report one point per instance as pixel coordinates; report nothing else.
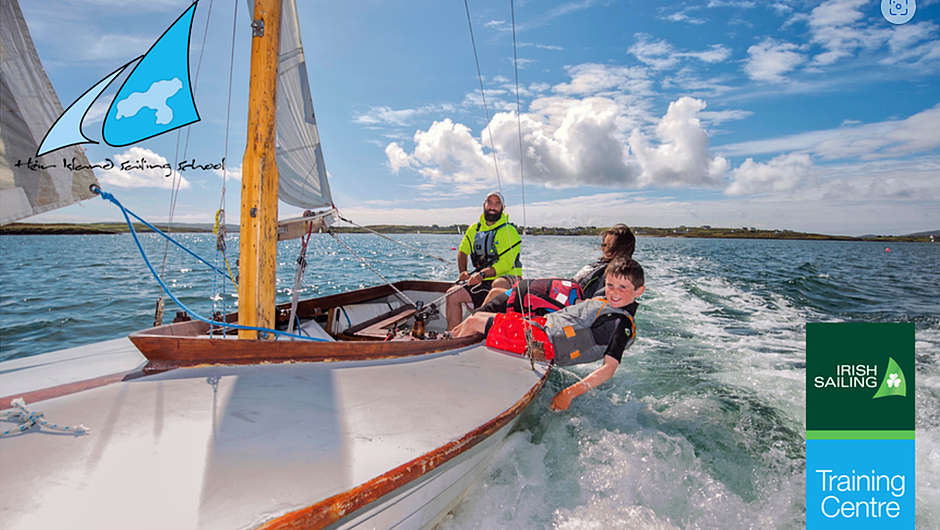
(624, 282)
(618, 241)
(493, 206)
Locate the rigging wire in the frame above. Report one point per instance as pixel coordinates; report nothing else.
(531, 344)
(177, 177)
(515, 64)
(220, 228)
(362, 260)
(395, 241)
(483, 95)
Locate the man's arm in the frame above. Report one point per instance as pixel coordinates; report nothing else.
(462, 266)
(507, 262)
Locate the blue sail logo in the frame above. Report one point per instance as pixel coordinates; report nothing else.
(156, 97)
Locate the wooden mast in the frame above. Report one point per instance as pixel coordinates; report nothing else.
(258, 239)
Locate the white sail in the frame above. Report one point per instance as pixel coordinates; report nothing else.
(28, 108)
(302, 173)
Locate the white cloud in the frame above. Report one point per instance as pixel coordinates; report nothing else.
(448, 153)
(716, 53)
(726, 3)
(887, 139)
(687, 79)
(387, 116)
(397, 157)
(783, 173)
(590, 79)
(233, 173)
(683, 16)
(885, 197)
(916, 45)
(659, 55)
(141, 168)
(540, 46)
(721, 116)
(838, 26)
(770, 60)
(681, 158)
(781, 8)
(592, 132)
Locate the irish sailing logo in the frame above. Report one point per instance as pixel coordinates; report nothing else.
(156, 97)
(893, 383)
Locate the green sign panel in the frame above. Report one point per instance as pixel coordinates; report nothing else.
(859, 377)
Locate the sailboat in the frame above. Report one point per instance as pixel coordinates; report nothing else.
(219, 424)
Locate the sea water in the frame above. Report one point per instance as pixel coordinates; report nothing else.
(702, 425)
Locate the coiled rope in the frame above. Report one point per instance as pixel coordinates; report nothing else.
(29, 418)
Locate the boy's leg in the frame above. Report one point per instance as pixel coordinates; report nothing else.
(475, 323)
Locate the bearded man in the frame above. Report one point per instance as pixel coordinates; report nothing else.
(492, 246)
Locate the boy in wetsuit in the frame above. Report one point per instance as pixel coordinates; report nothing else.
(609, 320)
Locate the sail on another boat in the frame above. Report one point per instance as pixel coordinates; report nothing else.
(28, 107)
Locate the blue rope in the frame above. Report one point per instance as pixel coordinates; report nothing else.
(107, 196)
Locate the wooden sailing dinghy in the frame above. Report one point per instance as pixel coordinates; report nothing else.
(215, 430)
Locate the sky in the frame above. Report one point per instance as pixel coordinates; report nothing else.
(810, 116)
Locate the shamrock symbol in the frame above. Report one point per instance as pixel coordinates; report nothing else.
(894, 381)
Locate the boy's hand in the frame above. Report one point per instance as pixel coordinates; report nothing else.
(562, 400)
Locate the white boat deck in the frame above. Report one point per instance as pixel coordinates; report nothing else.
(28, 374)
(233, 447)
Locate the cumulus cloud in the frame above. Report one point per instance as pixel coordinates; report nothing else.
(141, 168)
(770, 60)
(681, 158)
(397, 157)
(570, 141)
(783, 173)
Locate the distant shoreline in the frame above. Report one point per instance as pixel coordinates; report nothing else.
(701, 232)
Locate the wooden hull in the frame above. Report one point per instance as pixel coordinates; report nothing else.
(187, 344)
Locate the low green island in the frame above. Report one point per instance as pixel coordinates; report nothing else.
(641, 231)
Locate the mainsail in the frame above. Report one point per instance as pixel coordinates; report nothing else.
(28, 107)
(302, 173)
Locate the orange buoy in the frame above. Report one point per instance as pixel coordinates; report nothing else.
(887, 250)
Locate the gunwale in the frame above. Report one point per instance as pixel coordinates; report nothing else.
(186, 344)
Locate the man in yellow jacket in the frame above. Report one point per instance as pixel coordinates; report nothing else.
(492, 246)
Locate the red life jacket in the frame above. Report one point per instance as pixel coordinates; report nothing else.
(508, 334)
(544, 295)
